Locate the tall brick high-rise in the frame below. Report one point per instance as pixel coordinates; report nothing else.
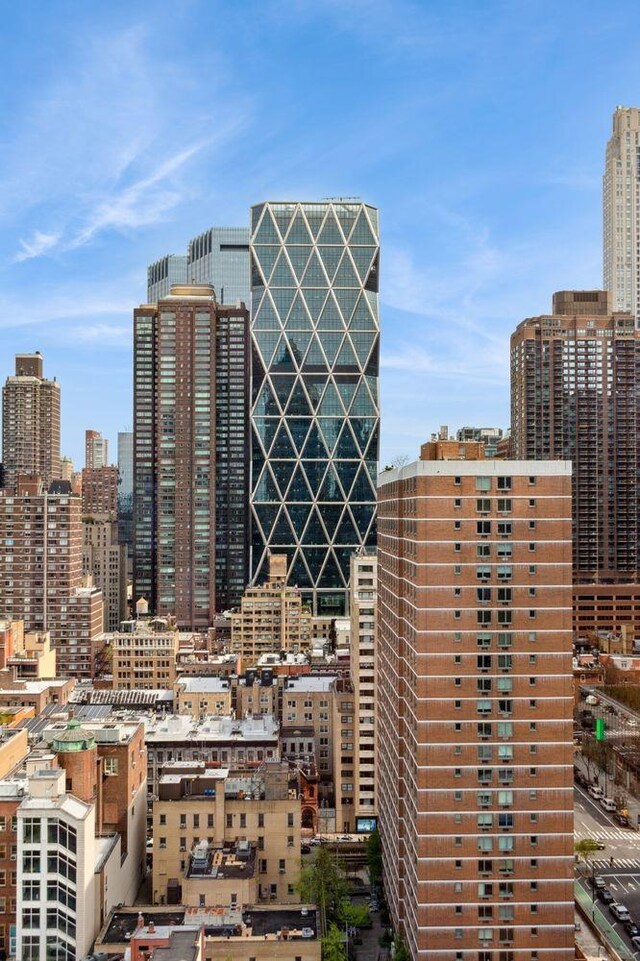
(41, 579)
(475, 752)
(575, 381)
(621, 211)
(30, 422)
(190, 454)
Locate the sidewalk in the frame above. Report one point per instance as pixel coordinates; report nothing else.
(590, 908)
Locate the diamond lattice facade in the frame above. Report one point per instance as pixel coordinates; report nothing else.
(315, 413)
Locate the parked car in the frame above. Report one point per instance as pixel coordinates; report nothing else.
(605, 896)
(622, 820)
(635, 940)
(305, 849)
(598, 883)
(580, 779)
(596, 791)
(315, 841)
(620, 911)
(631, 928)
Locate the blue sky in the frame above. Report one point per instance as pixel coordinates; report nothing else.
(478, 128)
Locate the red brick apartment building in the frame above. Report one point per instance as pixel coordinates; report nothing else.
(475, 722)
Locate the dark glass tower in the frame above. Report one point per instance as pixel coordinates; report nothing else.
(315, 413)
(191, 454)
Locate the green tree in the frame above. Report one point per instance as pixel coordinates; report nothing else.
(374, 857)
(324, 883)
(333, 947)
(355, 915)
(399, 951)
(586, 848)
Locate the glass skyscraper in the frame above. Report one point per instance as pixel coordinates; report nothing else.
(219, 256)
(315, 412)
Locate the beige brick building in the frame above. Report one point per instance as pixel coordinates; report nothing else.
(271, 618)
(227, 840)
(363, 593)
(144, 653)
(475, 753)
(200, 696)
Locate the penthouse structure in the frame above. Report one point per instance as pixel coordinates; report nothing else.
(190, 454)
(475, 753)
(30, 422)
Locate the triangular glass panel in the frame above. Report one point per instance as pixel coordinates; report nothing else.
(361, 319)
(373, 363)
(298, 573)
(314, 217)
(299, 489)
(281, 532)
(314, 385)
(314, 557)
(283, 472)
(373, 452)
(298, 516)
(314, 532)
(266, 489)
(266, 233)
(331, 343)
(298, 403)
(282, 386)
(283, 358)
(265, 429)
(298, 318)
(314, 448)
(330, 233)
(362, 427)
(314, 298)
(362, 231)
(283, 216)
(363, 515)
(346, 218)
(282, 448)
(330, 257)
(282, 276)
(331, 574)
(314, 275)
(344, 555)
(346, 446)
(330, 427)
(283, 299)
(266, 342)
(330, 489)
(266, 403)
(267, 257)
(256, 212)
(362, 403)
(298, 256)
(298, 232)
(362, 489)
(314, 471)
(346, 533)
(330, 318)
(346, 356)
(299, 428)
(346, 298)
(265, 317)
(362, 257)
(315, 356)
(363, 342)
(331, 514)
(330, 405)
(347, 470)
(345, 275)
(257, 455)
(266, 515)
(298, 343)
(261, 567)
(347, 387)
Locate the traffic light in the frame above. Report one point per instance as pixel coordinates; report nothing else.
(599, 729)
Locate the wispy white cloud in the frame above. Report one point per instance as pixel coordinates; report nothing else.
(40, 243)
(111, 121)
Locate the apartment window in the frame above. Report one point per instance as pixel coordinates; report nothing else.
(456, 546)
(457, 681)
(483, 617)
(457, 772)
(533, 703)
(483, 640)
(504, 595)
(532, 568)
(163, 819)
(504, 484)
(483, 505)
(504, 505)
(504, 529)
(532, 681)
(457, 592)
(457, 502)
(532, 480)
(457, 525)
(533, 771)
(483, 528)
(532, 614)
(532, 546)
(456, 480)
(457, 614)
(483, 483)
(483, 550)
(457, 569)
(483, 594)
(457, 659)
(532, 525)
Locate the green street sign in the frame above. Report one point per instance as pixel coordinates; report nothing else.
(600, 729)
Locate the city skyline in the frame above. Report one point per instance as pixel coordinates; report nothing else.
(487, 204)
